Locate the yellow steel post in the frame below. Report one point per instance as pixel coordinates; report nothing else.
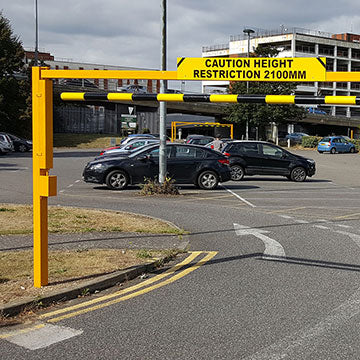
(232, 131)
(43, 184)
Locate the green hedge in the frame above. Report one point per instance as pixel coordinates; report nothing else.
(357, 143)
(310, 141)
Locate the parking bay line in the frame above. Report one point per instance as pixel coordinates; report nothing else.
(238, 196)
(209, 256)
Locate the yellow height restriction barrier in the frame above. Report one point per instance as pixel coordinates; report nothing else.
(175, 124)
(44, 185)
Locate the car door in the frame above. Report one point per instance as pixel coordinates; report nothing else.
(345, 145)
(275, 160)
(338, 144)
(249, 156)
(184, 162)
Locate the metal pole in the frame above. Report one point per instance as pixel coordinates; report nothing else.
(248, 32)
(163, 86)
(36, 34)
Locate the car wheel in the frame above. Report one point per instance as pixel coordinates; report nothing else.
(352, 150)
(117, 180)
(332, 151)
(22, 148)
(237, 172)
(208, 180)
(298, 174)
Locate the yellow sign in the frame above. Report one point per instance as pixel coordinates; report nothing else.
(252, 69)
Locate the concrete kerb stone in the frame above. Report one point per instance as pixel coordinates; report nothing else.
(72, 292)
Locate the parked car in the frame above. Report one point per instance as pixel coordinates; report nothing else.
(78, 82)
(263, 158)
(313, 110)
(199, 139)
(296, 137)
(134, 88)
(186, 164)
(6, 144)
(126, 149)
(20, 144)
(334, 144)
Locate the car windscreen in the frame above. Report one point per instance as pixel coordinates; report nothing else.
(325, 139)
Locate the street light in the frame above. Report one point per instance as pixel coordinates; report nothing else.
(248, 32)
(36, 35)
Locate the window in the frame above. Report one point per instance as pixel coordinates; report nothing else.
(155, 153)
(272, 151)
(188, 152)
(249, 149)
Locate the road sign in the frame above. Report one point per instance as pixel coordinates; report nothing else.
(252, 69)
(128, 121)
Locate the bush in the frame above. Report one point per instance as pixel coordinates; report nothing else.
(153, 187)
(356, 143)
(310, 141)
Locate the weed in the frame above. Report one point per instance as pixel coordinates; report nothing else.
(85, 292)
(6, 209)
(144, 254)
(153, 187)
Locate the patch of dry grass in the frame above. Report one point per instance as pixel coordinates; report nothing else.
(66, 267)
(17, 219)
(84, 141)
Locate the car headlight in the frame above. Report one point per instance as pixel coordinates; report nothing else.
(310, 161)
(96, 166)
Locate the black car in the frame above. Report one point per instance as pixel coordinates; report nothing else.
(199, 139)
(263, 158)
(20, 144)
(186, 164)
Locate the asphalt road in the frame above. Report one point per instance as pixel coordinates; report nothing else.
(274, 276)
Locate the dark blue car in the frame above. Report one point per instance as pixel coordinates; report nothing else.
(334, 144)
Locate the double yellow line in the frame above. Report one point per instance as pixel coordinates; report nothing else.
(131, 292)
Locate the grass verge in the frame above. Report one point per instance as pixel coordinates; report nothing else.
(66, 267)
(84, 141)
(17, 219)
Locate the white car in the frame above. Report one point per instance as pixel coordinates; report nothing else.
(129, 147)
(6, 145)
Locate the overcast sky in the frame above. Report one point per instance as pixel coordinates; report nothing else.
(124, 32)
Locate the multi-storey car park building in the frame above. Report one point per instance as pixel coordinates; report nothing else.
(342, 53)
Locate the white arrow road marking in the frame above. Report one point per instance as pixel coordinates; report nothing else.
(272, 247)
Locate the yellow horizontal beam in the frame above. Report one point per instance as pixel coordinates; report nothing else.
(109, 74)
(342, 76)
(340, 100)
(280, 99)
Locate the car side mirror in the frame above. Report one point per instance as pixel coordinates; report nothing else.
(143, 157)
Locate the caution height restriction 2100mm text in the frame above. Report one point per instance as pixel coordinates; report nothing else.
(250, 74)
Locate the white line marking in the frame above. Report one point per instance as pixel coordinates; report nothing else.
(239, 197)
(61, 191)
(322, 227)
(43, 337)
(301, 221)
(70, 185)
(77, 181)
(344, 226)
(304, 342)
(272, 247)
(286, 216)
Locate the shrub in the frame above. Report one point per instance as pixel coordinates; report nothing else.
(310, 141)
(153, 187)
(357, 143)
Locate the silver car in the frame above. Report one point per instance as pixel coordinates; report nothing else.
(6, 145)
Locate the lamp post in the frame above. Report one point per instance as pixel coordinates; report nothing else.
(248, 32)
(36, 55)
(162, 105)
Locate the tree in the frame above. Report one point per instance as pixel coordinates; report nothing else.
(259, 115)
(14, 110)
